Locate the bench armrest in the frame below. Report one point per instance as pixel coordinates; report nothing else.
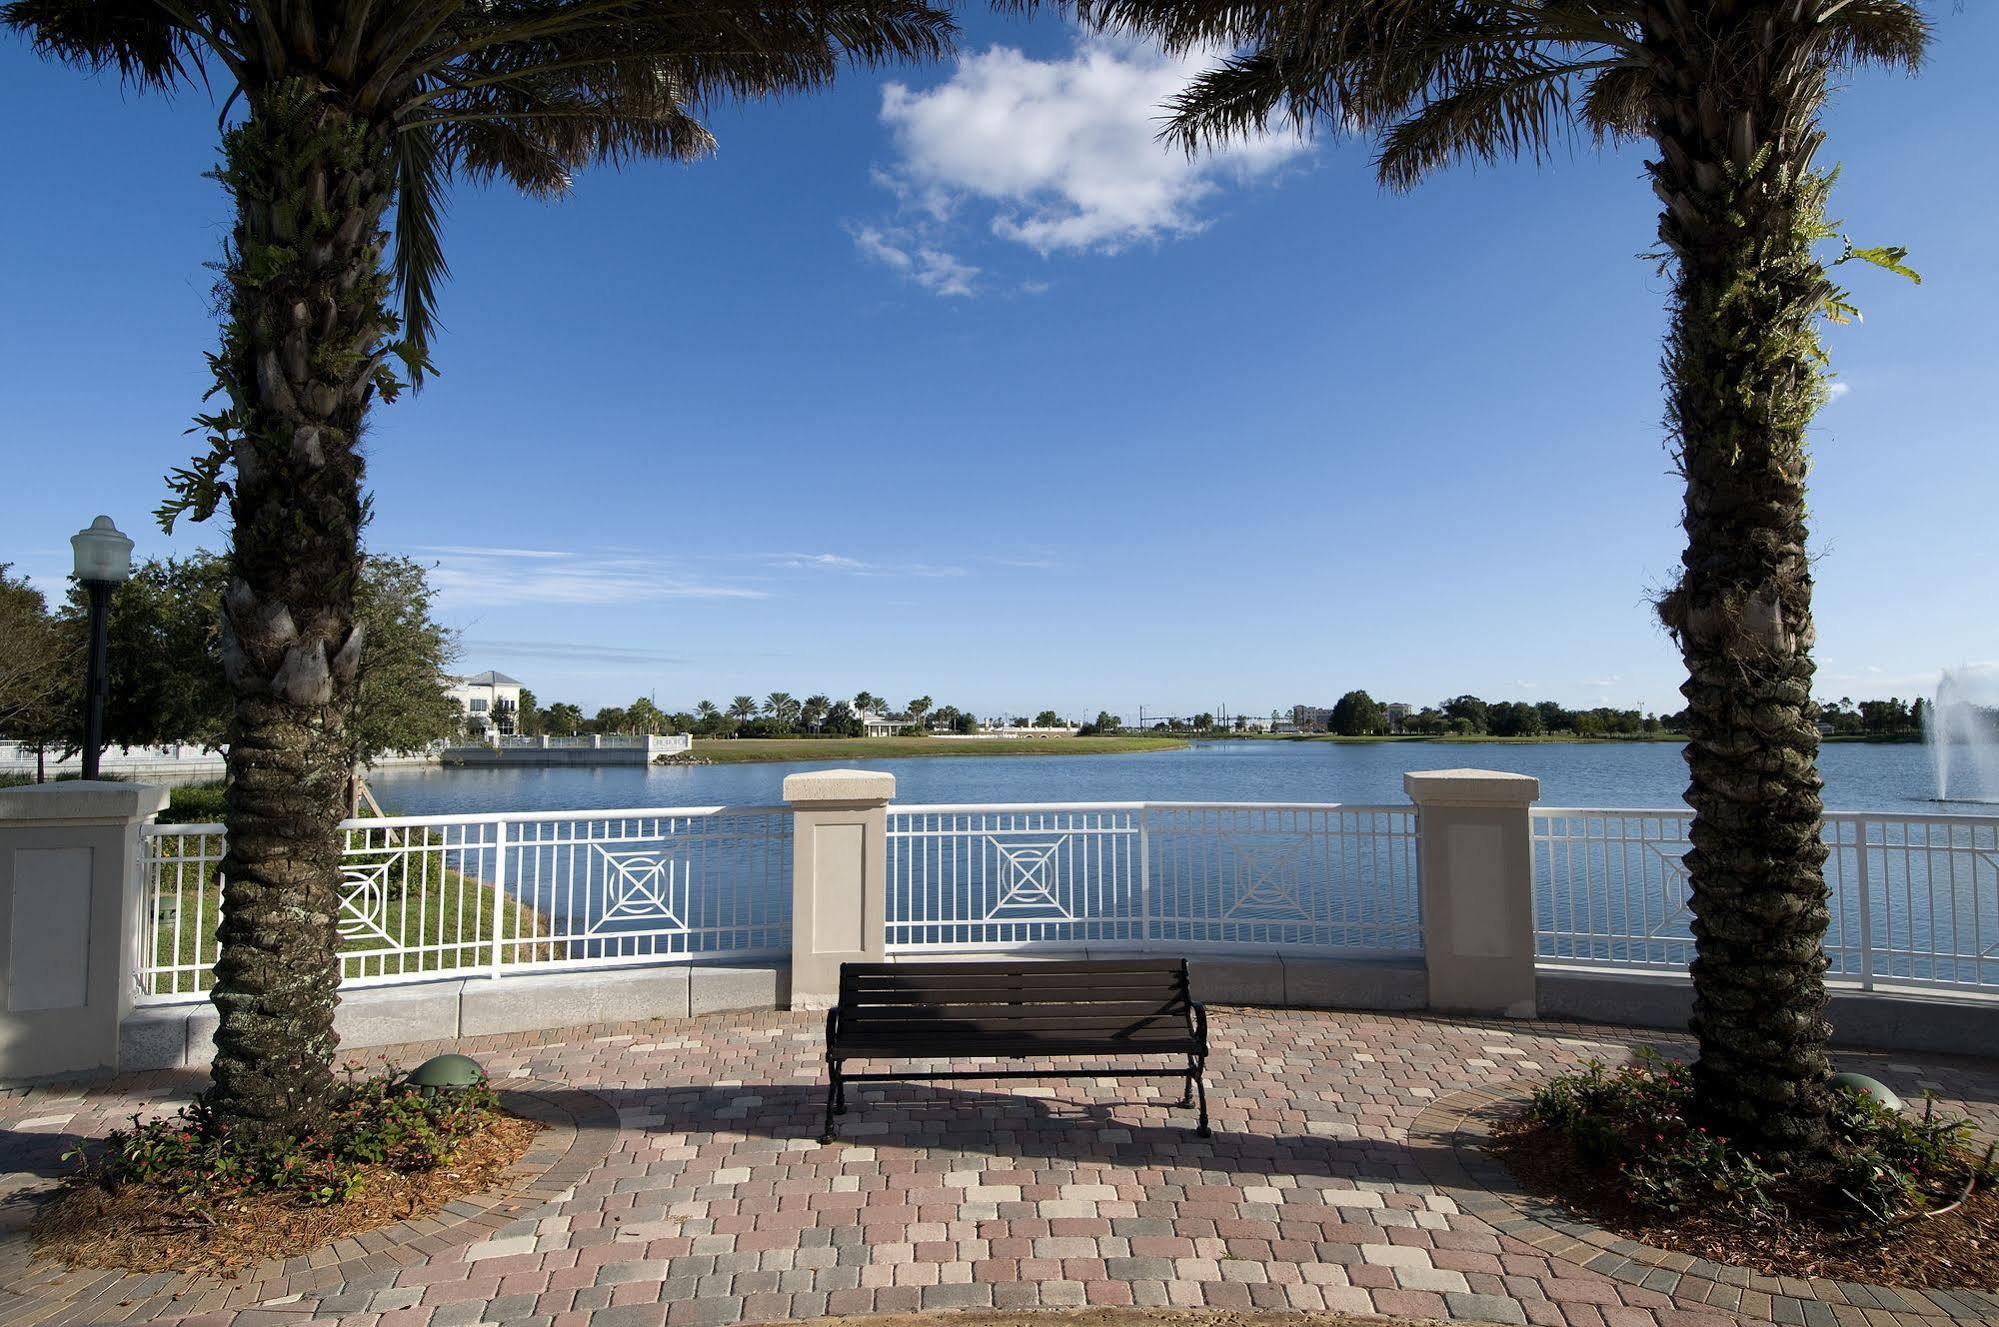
(1197, 1016)
(832, 1028)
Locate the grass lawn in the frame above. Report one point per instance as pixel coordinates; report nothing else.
(747, 750)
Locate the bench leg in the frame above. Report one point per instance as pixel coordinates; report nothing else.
(1187, 1097)
(834, 1101)
(1201, 1089)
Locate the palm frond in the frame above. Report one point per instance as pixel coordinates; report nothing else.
(423, 171)
(1617, 102)
(146, 46)
(1884, 32)
(1488, 119)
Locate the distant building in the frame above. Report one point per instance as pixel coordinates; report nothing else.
(1310, 718)
(491, 701)
(879, 725)
(1398, 714)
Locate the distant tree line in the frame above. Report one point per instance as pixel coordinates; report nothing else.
(1357, 714)
(779, 714)
(1886, 720)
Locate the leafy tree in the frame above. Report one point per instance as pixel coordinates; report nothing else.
(1048, 719)
(350, 108)
(562, 720)
(1729, 92)
(963, 723)
(1358, 714)
(1473, 714)
(643, 716)
(1554, 718)
(399, 698)
(611, 719)
(528, 722)
(842, 720)
(39, 666)
(1103, 725)
(165, 658)
(1515, 718)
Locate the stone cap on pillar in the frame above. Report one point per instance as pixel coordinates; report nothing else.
(1470, 787)
(839, 787)
(79, 799)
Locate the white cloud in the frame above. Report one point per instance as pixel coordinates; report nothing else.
(1835, 391)
(467, 576)
(837, 562)
(1067, 152)
(904, 250)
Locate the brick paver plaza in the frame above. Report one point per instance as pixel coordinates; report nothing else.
(684, 1185)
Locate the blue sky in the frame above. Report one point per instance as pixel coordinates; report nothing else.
(951, 382)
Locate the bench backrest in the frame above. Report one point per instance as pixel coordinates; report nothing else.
(1029, 1000)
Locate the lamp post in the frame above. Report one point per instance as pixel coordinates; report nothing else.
(103, 562)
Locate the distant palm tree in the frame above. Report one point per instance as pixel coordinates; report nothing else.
(706, 710)
(814, 710)
(780, 706)
(865, 702)
(350, 108)
(918, 708)
(743, 708)
(1729, 92)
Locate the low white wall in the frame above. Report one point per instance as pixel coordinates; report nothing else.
(1901, 1020)
(180, 1036)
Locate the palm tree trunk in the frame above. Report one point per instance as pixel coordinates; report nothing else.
(1736, 130)
(300, 355)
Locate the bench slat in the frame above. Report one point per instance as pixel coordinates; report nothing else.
(928, 988)
(1093, 967)
(982, 1005)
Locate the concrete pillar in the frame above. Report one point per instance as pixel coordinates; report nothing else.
(1477, 863)
(839, 877)
(69, 898)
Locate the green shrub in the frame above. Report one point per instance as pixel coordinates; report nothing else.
(1637, 1123)
(377, 1120)
(194, 804)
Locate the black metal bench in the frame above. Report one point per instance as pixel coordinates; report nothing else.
(1015, 1010)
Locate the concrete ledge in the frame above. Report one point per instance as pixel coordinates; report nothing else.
(839, 787)
(182, 1036)
(1645, 1000)
(1331, 983)
(1232, 979)
(570, 999)
(1898, 1020)
(717, 990)
(98, 800)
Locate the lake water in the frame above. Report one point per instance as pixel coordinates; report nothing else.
(1859, 777)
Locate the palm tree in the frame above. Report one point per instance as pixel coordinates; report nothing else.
(706, 710)
(865, 702)
(350, 108)
(1729, 92)
(780, 706)
(814, 710)
(743, 708)
(918, 708)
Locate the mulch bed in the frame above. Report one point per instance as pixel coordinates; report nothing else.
(150, 1228)
(1959, 1250)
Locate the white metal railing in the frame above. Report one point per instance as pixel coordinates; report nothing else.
(1914, 899)
(424, 896)
(1175, 875)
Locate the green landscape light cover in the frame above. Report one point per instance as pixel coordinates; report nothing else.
(1870, 1087)
(447, 1071)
